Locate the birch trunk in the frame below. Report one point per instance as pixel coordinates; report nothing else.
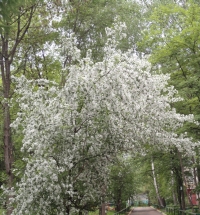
(155, 183)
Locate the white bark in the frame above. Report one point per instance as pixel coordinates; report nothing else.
(155, 183)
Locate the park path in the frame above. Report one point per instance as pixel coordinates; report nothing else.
(144, 211)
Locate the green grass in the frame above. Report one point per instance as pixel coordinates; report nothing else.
(163, 210)
(97, 212)
(1, 211)
(94, 212)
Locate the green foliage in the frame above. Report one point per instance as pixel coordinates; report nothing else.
(8, 9)
(2, 211)
(123, 182)
(89, 19)
(173, 41)
(165, 163)
(97, 212)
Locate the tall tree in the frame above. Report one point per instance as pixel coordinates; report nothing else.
(7, 54)
(86, 122)
(17, 49)
(173, 41)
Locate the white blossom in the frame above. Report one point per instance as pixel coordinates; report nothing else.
(72, 133)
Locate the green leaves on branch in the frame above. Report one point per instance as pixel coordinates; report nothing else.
(10, 8)
(173, 40)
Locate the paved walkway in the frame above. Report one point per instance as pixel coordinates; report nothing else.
(144, 211)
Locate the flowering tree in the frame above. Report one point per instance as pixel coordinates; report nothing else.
(71, 134)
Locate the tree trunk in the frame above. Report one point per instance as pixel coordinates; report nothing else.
(156, 184)
(184, 178)
(179, 186)
(8, 48)
(103, 209)
(8, 146)
(198, 169)
(8, 152)
(173, 191)
(196, 182)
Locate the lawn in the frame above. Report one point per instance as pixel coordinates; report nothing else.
(97, 212)
(1, 211)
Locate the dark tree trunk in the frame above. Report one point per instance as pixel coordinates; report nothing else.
(119, 202)
(8, 146)
(183, 178)
(7, 53)
(180, 191)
